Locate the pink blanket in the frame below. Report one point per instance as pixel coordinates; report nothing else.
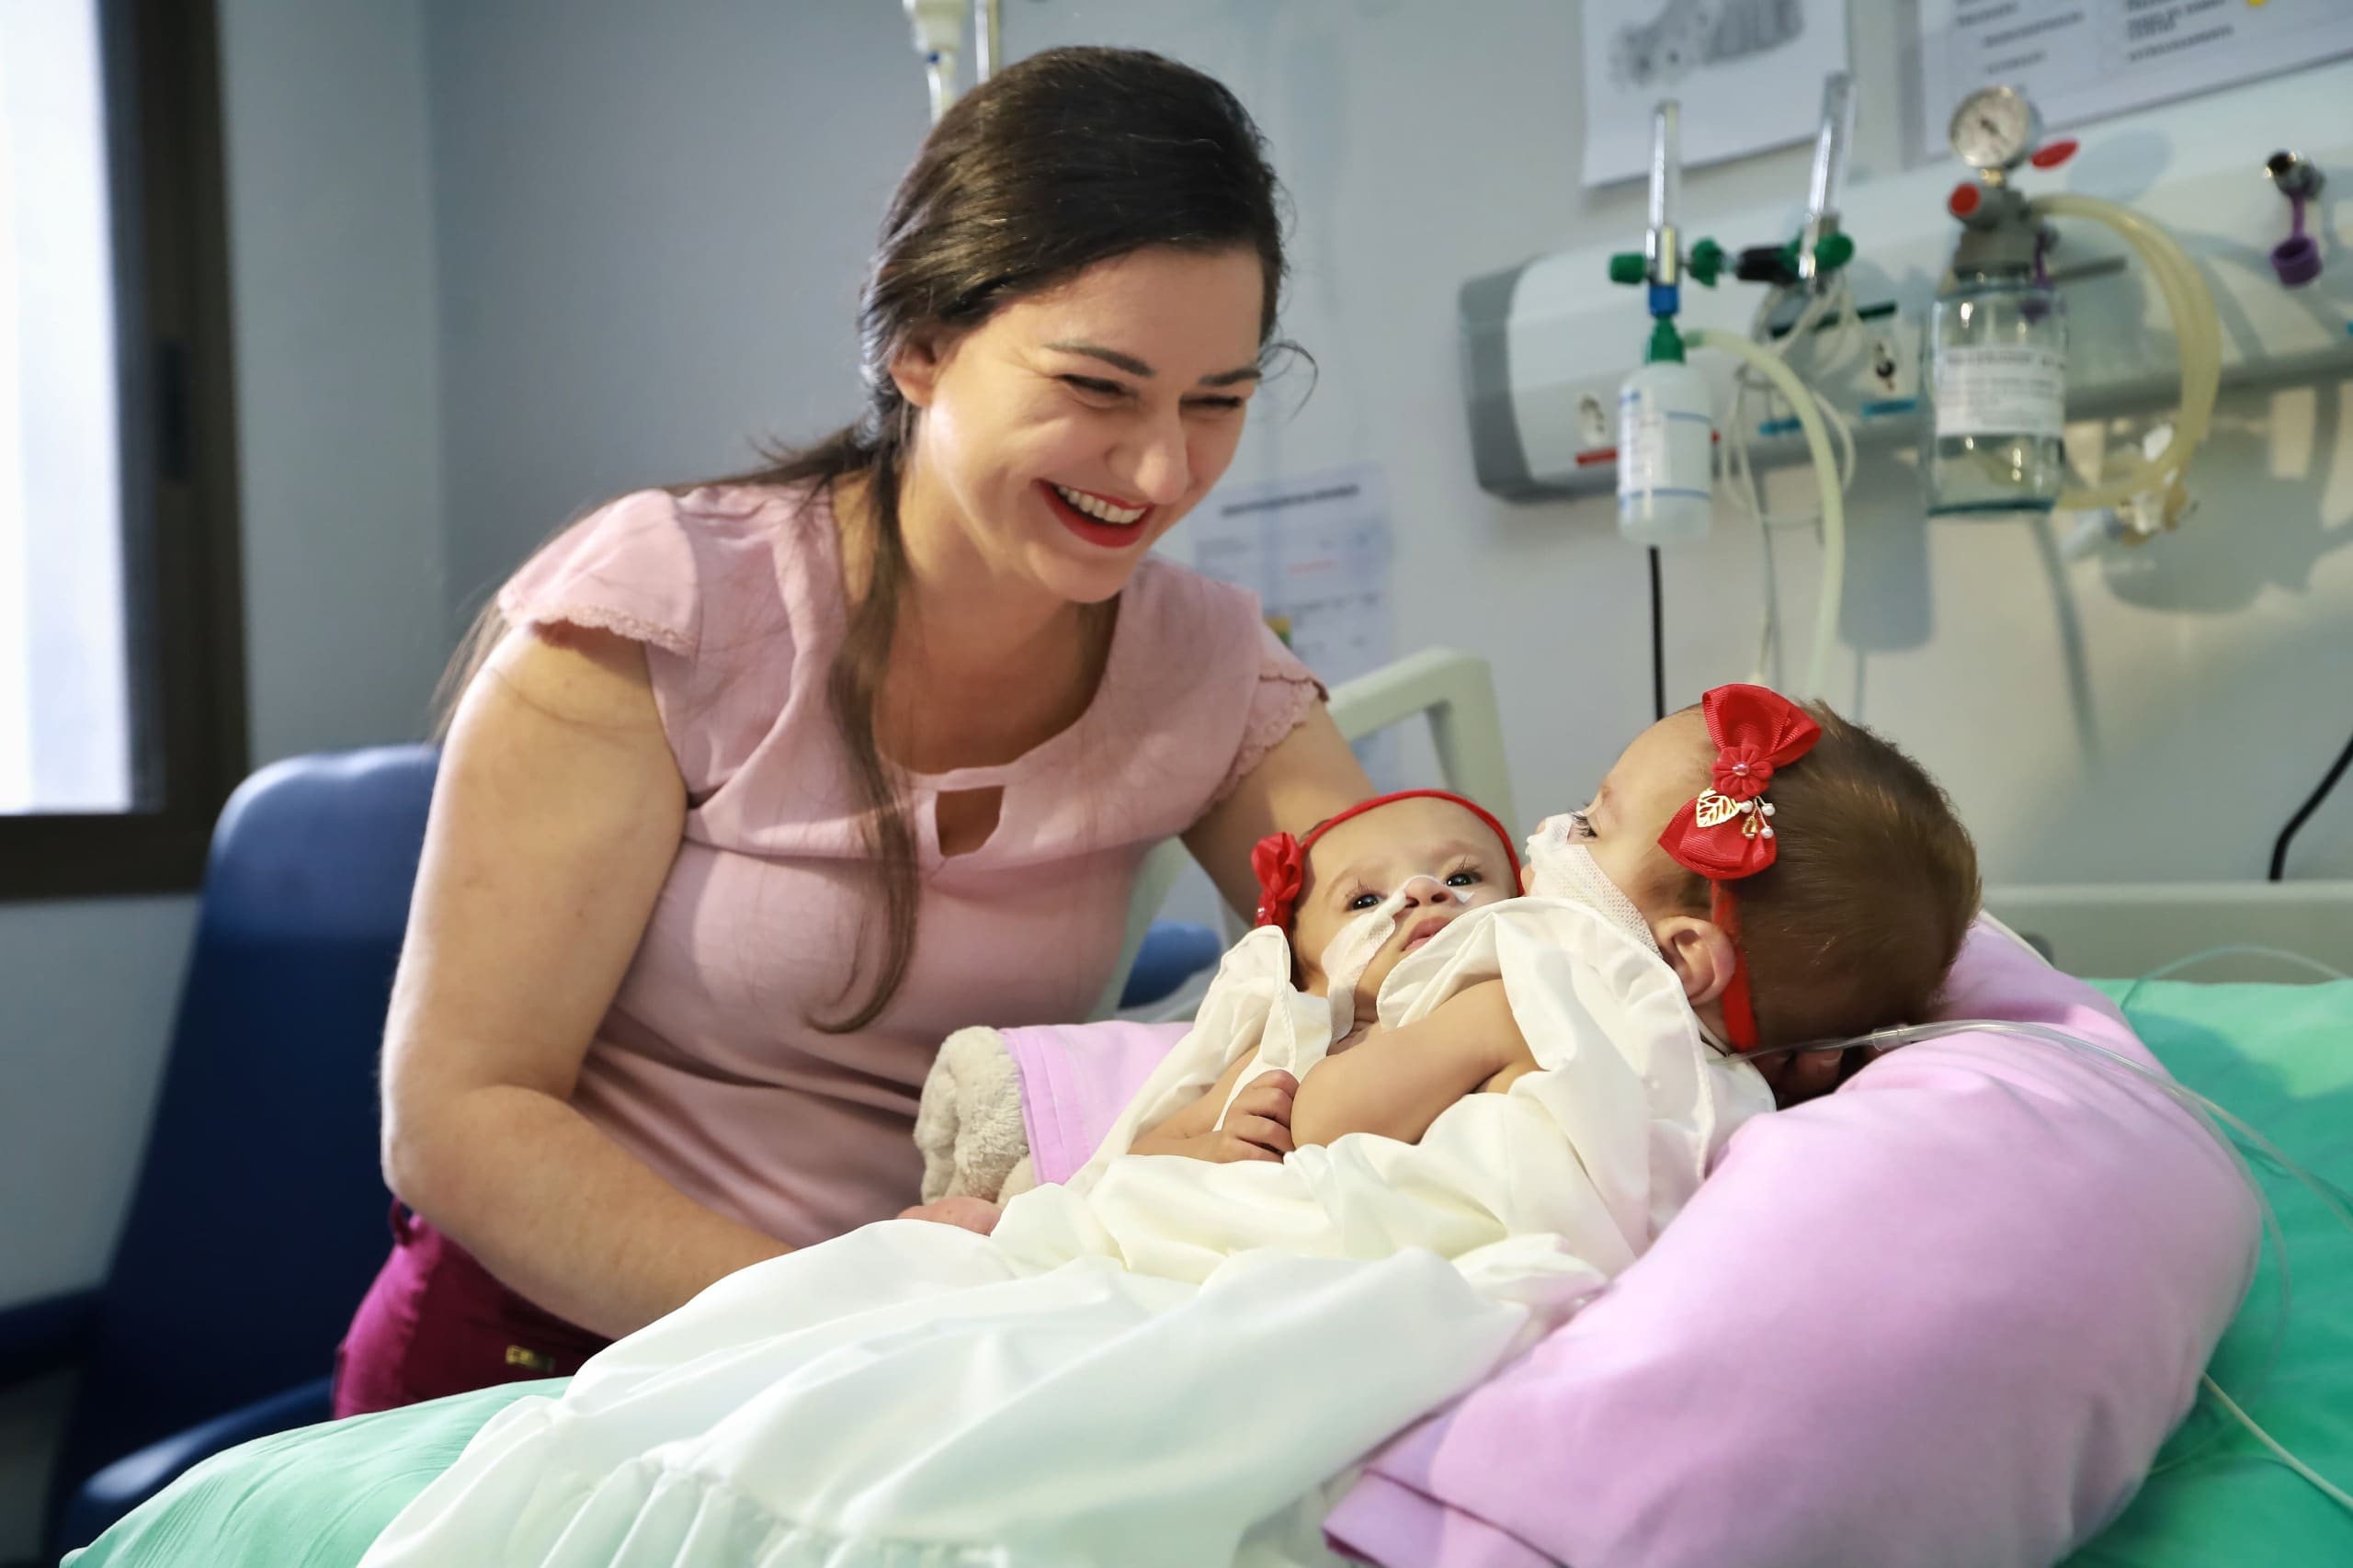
(1945, 1315)
(1077, 1079)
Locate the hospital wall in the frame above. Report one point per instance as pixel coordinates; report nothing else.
(1426, 144)
(496, 259)
(650, 238)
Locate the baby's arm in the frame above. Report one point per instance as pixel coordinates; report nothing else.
(1397, 1081)
(1259, 1128)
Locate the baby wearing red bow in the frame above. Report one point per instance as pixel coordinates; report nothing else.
(1358, 892)
(1804, 879)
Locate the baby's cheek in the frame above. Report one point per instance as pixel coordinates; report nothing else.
(1369, 982)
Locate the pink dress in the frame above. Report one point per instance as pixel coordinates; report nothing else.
(707, 1068)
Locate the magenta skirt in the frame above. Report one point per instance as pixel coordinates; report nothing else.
(435, 1322)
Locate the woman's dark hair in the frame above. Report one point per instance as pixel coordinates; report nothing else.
(1069, 159)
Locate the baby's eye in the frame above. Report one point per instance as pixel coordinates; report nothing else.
(1580, 826)
(1464, 879)
(1363, 901)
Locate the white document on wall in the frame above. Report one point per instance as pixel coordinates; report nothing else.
(1748, 72)
(1315, 550)
(2082, 60)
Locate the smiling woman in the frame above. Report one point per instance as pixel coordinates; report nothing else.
(1107, 404)
(765, 786)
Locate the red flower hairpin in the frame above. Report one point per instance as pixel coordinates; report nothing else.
(1280, 863)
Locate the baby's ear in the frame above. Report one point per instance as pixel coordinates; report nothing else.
(1701, 953)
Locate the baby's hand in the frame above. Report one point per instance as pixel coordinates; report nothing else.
(1256, 1126)
(972, 1213)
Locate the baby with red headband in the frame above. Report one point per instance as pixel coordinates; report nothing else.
(1800, 878)
(1357, 895)
(1803, 878)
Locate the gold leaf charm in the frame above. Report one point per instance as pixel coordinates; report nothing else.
(1713, 810)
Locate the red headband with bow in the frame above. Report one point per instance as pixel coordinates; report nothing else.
(1280, 860)
(1727, 832)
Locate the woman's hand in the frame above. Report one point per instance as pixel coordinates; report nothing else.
(976, 1214)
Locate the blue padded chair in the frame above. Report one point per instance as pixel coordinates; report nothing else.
(259, 1214)
(1172, 953)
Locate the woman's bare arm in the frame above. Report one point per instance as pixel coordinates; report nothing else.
(1310, 775)
(557, 814)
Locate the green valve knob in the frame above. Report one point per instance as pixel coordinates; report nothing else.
(1629, 267)
(1707, 262)
(1834, 252)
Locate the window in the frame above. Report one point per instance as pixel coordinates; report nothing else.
(121, 720)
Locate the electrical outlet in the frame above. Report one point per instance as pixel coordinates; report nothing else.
(1593, 421)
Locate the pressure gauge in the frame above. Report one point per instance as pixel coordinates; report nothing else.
(1995, 127)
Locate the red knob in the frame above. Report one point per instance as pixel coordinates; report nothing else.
(1964, 199)
(2050, 154)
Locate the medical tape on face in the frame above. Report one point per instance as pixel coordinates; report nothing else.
(1349, 954)
(1360, 942)
(1562, 868)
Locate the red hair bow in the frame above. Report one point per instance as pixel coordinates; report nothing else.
(1280, 865)
(1727, 832)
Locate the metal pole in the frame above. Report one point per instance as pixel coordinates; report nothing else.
(987, 44)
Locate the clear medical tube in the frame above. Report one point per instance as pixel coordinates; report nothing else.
(1825, 472)
(939, 28)
(988, 47)
(1829, 178)
(1830, 145)
(1663, 244)
(2198, 334)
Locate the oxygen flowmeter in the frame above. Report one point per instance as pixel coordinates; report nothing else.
(1997, 341)
(1665, 432)
(1997, 332)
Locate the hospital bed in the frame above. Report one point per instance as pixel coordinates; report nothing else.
(2281, 1055)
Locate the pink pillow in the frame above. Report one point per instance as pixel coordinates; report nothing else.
(1945, 1315)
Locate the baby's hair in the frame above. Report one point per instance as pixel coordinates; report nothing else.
(1857, 922)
